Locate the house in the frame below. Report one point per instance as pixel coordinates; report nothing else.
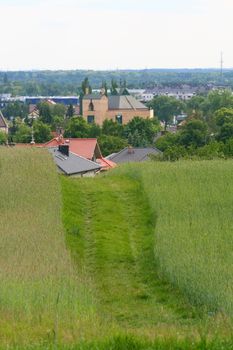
(3, 124)
(119, 108)
(71, 164)
(133, 154)
(33, 113)
(85, 147)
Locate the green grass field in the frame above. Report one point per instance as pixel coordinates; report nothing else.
(41, 296)
(193, 202)
(138, 258)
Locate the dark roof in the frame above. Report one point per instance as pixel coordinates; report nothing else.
(73, 164)
(3, 123)
(124, 102)
(133, 154)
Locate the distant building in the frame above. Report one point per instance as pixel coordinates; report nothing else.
(3, 124)
(33, 113)
(66, 100)
(119, 108)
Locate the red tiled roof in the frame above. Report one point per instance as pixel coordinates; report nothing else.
(82, 147)
(106, 164)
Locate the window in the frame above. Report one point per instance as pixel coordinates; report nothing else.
(119, 119)
(90, 119)
(91, 106)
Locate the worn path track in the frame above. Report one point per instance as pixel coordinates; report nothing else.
(111, 232)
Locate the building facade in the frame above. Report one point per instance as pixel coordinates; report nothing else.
(118, 108)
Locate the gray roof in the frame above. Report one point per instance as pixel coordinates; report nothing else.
(133, 154)
(92, 97)
(73, 164)
(3, 123)
(125, 102)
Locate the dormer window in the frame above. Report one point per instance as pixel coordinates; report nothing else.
(91, 106)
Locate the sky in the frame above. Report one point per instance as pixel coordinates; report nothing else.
(119, 34)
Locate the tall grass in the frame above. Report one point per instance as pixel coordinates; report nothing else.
(40, 295)
(193, 203)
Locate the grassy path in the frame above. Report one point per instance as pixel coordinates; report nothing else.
(110, 231)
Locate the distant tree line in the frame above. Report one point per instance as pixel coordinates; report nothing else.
(48, 83)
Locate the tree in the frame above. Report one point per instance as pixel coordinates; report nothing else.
(15, 109)
(45, 112)
(42, 132)
(3, 138)
(77, 127)
(23, 134)
(70, 111)
(166, 141)
(59, 110)
(86, 87)
(114, 87)
(111, 144)
(224, 115)
(141, 131)
(224, 121)
(196, 103)
(105, 87)
(216, 100)
(194, 133)
(165, 108)
(112, 128)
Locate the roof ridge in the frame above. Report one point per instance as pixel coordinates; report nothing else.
(130, 102)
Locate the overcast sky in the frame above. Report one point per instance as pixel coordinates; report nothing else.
(106, 34)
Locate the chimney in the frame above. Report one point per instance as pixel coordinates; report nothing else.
(64, 149)
(130, 150)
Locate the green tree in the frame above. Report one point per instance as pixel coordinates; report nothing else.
(114, 87)
(45, 112)
(23, 134)
(86, 87)
(42, 132)
(15, 109)
(70, 111)
(3, 138)
(194, 133)
(105, 87)
(165, 108)
(141, 131)
(166, 141)
(216, 100)
(224, 122)
(59, 110)
(111, 144)
(77, 127)
(112, 128)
